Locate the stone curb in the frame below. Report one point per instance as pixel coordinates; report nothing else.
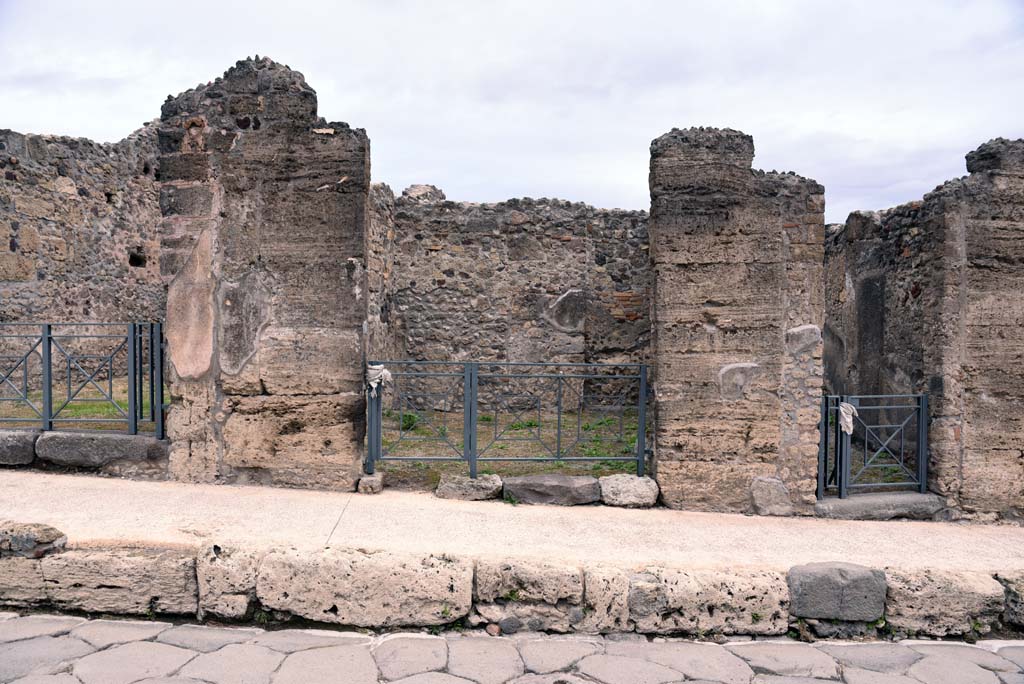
(380, 590)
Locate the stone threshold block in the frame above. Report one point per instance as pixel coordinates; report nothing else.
(882, 506)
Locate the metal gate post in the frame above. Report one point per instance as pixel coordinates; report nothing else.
(45, 345)
(641, 423)
(157, 378)
(470, 386)
(822, 447)
(133, 413)
(922, 443)
(374, 421)
(844, 455)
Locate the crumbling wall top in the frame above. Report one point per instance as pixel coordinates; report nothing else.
(999, 154)
(700, 145)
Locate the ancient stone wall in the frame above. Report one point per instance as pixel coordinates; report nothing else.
(738, 307)
(926, 298)
(384, 327)
(265, 209)
(79, 229)
(523, 280)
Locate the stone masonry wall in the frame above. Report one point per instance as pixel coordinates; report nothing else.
(523, 280)
(265, 208)
(738, 306)
(79, 229)
(926, 298)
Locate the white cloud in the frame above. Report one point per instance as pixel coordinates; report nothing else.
(877, 100)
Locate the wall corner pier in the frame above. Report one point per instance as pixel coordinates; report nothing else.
(738, 310)
(925, 297)
(264, 234)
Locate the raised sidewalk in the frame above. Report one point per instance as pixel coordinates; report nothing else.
(330, 556)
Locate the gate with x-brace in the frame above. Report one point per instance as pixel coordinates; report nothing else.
(883, 446)
(481, 412)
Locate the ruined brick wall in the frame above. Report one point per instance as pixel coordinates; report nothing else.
(524, 280)
(265, 208)
(925, 297)
(738, 310)
(79, 229)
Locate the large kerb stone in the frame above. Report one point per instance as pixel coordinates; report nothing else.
(17, 447)
(91, 450)
(836, 591)
(559, 490)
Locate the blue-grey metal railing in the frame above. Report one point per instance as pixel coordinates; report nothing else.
(52, 373)
(508, 411)
(888, 448)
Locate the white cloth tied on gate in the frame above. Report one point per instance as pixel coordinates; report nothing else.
(375, 376)
(846, 415)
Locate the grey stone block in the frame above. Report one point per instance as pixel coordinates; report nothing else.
(837, 591)
(628, 491)
(371, 484)
(30, 540)
(560, 490)
(468, 489)
(882, 506)
(770, 496)
(92, 450)
(18, 447)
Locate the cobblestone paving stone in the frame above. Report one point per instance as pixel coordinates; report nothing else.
(52, 649)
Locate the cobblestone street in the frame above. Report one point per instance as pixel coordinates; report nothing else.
(45, 649)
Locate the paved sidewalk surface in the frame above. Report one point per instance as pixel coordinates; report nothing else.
(93, 510)
(45, 649)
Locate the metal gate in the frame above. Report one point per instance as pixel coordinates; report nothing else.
(887, 448)
(105, 376)
(480, 412)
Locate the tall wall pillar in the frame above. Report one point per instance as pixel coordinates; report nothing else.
(737, 335)
(263, 248)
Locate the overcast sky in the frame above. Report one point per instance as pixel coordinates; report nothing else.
(879, 101)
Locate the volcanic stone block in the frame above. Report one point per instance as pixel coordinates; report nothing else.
(226, 579)
(371, 484)
(21, 582)
(628, 491)
(836, 591)
(943, 602)
(17, 447)
(1014, 585)
(555, 489)
(92, 450)
(667, 600)
(770, 496)
(30, 540)
(128, 581)
(467, 488)
(376, 590)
